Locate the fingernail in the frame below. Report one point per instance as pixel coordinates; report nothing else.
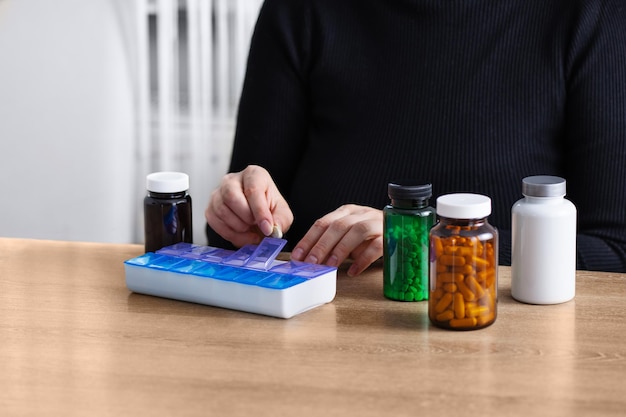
(352, 270)
(311, 259)
(265, 227)
(333, 261)
(297, 254)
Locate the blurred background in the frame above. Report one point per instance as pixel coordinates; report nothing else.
(96, 94)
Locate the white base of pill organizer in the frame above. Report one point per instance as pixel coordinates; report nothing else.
(284, 303)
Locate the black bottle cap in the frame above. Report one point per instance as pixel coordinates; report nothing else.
(409, 190)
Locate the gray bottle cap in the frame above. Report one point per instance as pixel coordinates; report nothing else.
(543, 186)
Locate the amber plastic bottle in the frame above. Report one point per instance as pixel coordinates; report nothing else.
(167, 210)
(463, 264)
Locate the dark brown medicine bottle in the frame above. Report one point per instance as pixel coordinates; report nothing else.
(167, 210)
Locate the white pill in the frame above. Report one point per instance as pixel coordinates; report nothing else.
(276, 232)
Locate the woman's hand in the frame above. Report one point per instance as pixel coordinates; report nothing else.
(246, 206)
(350, 231)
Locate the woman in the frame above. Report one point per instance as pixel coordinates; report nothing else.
(343, 96)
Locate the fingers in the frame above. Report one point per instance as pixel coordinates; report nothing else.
(255, 187)
(269, 208)
(365, 255)
(227, 224)
(350, 231)
(246, 206)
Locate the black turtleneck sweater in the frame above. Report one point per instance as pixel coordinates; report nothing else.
(343, 96)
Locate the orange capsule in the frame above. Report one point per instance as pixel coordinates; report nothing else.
(449, 277)
(445, 316)
(465, 322)
(459, 305)
(452, 260)
(468, 295)
(450, 250)
(467, 269)
(473, 285)
(443, 303)
(485, 319)
(465, 251)
(479, 263)
(477, 311)
(481, 276)
(453, 229)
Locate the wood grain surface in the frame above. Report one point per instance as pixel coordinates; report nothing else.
(74, 341)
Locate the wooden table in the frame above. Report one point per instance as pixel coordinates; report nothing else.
(75, 341)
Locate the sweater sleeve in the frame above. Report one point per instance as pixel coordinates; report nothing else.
(595, 140)
(272, 119)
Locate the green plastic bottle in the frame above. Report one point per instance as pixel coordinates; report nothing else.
(407, 222)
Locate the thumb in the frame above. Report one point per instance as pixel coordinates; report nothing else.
(282, 219)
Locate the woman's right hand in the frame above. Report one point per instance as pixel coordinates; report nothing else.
(246, 206)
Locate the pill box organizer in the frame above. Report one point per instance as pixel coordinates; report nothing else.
(250, 279)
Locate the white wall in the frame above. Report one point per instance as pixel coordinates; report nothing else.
(66, 122)
(82, 124)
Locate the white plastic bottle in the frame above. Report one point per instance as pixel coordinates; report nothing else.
(543, 257)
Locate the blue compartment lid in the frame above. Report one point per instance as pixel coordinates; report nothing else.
(250, 265)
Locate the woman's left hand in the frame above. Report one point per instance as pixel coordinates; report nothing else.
(350, 231)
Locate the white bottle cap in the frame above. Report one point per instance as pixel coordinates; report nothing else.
(543, 186)
(167, 182)
(464, 206)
